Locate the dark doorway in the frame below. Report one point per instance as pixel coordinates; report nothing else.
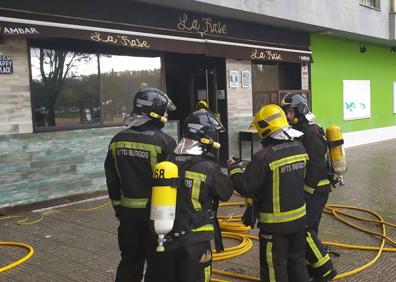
(272, 80)
(190, 78)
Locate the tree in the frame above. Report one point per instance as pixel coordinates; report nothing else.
(54, 68)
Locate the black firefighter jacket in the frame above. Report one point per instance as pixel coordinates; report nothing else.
(129, 164)
(203, 185)
(275, 180)
(317, 175)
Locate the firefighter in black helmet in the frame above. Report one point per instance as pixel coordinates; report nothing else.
(131, 156)
(188, 255)
(317, 183)
(274, 179)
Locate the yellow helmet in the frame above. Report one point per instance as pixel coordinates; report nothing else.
(201, 104)
(269, 119)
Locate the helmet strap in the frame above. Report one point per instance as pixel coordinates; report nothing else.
(157, 116)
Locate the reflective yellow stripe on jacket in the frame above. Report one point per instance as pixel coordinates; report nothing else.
(321, 183)
(274, 166)
(197, 179)
(278, 217)
(207, 227)
(235, 171)
(134, 203)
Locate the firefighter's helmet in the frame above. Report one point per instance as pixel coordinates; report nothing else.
(201, 104)
(150, 104)
(299, 103)
(271, 121)
(200, 132)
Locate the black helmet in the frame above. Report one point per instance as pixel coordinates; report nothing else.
(150, 104)
(199, 133)
(298, 102)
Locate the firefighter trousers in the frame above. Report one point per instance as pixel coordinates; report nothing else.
(320, 266)
(315, 205)
(282, 257)
(135, 241)
(181, 263)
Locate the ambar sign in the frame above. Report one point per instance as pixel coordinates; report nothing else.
(6, 65)
(20, 30)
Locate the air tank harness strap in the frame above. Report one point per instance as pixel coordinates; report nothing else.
(336, 143)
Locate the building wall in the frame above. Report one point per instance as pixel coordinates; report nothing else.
(43, 166)
(15, 106)
(337, 59)
(240, 105)
(341, 15)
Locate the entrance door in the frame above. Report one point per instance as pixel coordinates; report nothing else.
(203, 85)
(190, 78)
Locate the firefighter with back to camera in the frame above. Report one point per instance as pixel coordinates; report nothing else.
(274, 179)
(131, 157)
(203, 106)
(317, 182)
(187, 255)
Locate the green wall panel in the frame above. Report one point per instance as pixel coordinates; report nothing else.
(337, 59)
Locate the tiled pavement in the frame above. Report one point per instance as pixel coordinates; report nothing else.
(71, 246)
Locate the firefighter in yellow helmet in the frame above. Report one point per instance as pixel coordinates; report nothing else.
(188, 255)
(274, 179)
(132, 154)
(317, 182)
(203, 105)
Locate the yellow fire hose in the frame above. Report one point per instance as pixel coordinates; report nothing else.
(229, 223)
(26, 257)
(233, 228)
(25, 221)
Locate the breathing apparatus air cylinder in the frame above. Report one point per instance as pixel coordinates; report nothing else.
(337, 152)
(163, 200)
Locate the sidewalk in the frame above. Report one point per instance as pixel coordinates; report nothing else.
(82, 246)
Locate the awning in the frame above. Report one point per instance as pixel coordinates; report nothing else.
(16, 27)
